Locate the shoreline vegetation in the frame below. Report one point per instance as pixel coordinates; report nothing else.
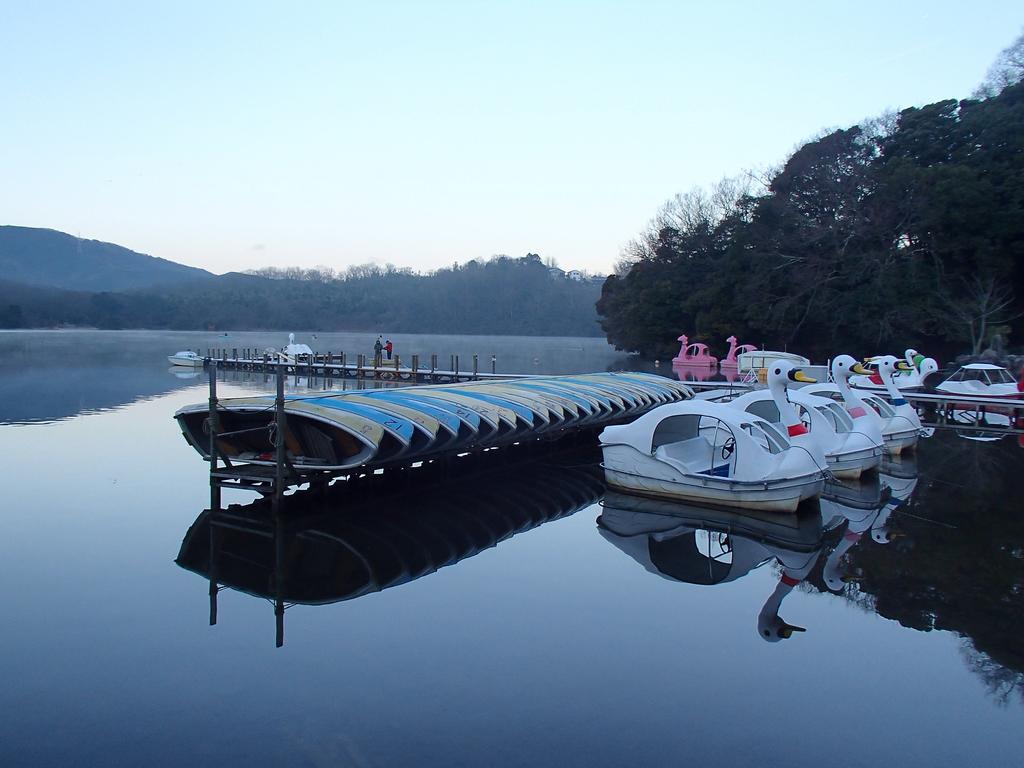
(903, 231)
(499, 296)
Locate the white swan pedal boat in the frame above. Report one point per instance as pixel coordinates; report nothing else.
(705, 452)
(848, 451)
(897, 424)
(910, 377)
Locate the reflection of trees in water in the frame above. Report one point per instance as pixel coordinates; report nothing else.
(1002, 682)
(959, 565)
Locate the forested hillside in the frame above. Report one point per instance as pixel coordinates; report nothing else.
(905, 231)
(499, 296)
(47, 258)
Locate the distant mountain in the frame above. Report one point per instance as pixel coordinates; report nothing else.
(499, 296)
(46, 257)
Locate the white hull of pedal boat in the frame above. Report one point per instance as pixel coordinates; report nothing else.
(707, 453)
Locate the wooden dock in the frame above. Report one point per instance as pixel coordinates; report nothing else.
(331, 365)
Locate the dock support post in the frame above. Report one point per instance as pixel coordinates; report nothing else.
(214, 430)
(214, 551)
(433, 367)
(494, 360)
(279, 566)
(279, 428)
(398, 364)
(475, 368)
(415, 368)
(455, 367)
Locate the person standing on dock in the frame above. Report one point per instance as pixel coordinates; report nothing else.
(389, 348)
(377, 349)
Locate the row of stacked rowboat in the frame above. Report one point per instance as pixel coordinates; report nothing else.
(767, 449)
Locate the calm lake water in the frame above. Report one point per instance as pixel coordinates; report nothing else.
(513, 615)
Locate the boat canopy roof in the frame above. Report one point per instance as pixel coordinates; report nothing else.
(983, 367)
(675, 422)
(762, 358)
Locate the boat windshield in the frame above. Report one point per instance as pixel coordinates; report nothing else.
(977, 374)
(767, 436)
(881, 406)
(837, 417)
(999, 376)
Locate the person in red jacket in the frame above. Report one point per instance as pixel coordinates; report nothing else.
(388, 347)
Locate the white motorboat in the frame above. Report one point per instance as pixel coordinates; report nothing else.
(848, 452)
(981, 380)
(185, 358)
(910, 378)
(871, 414)
(711, 453)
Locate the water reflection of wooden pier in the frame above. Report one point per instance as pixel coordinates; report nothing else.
(373, 533)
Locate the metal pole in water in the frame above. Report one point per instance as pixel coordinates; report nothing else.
(279, 565)
(214, 586)
(494, 360)
(279, 423)
(475, 368)
(214, 430)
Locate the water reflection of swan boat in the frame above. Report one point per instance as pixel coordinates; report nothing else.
(705, 452)
(900, 475)
(330, 547)
(866, 505)
(698, 545)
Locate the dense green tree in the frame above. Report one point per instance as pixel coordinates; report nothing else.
(908, 232)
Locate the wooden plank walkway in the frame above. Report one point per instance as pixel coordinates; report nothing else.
(329, 365)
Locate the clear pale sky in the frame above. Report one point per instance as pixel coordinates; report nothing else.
(238, 135)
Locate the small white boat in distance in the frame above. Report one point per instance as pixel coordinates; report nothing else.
(710, 453)
(294, 350)
(186, 357)
(981, 380)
